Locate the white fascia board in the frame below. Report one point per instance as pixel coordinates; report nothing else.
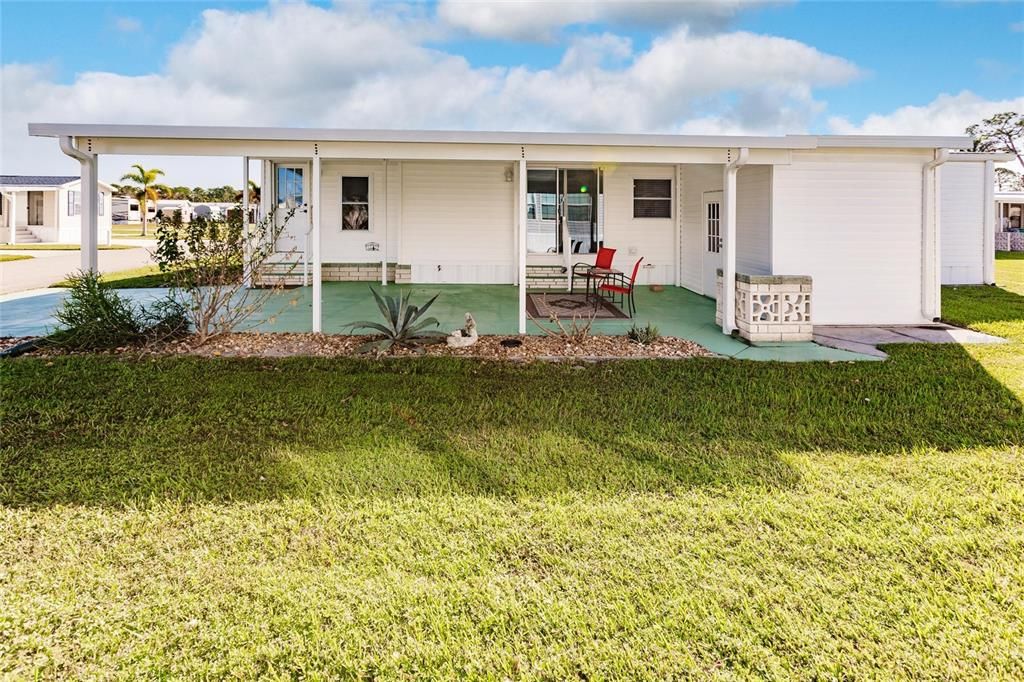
(999, 157)
(170, 132)
(73, 183)
(896, 141)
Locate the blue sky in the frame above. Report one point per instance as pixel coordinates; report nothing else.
(844, 67)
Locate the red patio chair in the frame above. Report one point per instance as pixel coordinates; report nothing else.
(603, 260)
(618, 285)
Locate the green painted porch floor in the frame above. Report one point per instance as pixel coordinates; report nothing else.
(674, 311)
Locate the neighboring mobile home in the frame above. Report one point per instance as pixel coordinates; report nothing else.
(165, 208)
(128, 210)
(47, 208)
(851, 227)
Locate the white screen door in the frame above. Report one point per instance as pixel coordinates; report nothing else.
(712, 241)
(290, 193)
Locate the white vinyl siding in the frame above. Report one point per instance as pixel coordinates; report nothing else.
(962, 221)
(458, 222)
(351, 246)
(852, 221)
(696, 179)
(753, 220)
(650, 238)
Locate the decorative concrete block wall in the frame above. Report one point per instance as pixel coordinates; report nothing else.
(1009, 241)
(771, 308)
(334, 272)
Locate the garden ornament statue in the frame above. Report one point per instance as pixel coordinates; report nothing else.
(465, 337)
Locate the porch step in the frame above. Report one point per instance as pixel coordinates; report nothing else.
(26, 236)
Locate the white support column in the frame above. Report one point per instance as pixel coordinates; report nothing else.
(728, 227)
(314, 194)
(246, 274)
(677, 233)
(520, 214)
(931, 241)
(384, 232)
(12, 219)
(90, 214)
(988, 247)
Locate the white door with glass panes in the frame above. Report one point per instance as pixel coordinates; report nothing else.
(291, 210)
(712, 241)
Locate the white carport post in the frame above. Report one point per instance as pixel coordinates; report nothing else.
(931, 242)
(988, 248)
(246, 274)
(729, 240)
(384, 240)
(318, 284)
(90, 208)
(12, 218)
(521, 218)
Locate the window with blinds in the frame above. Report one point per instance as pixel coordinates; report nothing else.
(652, 198)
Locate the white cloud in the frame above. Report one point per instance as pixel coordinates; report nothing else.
(127, 24)
(539, 20)
(945, 115)
(302, 65)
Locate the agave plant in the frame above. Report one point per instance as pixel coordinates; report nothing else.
(403, 326)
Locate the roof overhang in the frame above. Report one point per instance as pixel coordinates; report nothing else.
(49, 188)
(99, 131)
(999, 157)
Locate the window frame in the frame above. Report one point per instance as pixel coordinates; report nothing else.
(368, 203)
(667, 199)
(74, 202)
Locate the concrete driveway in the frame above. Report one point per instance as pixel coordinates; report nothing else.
(48, 267)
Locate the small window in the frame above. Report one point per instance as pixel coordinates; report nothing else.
(99, 202)
(355, 203)
(74, 202)
(652, 198)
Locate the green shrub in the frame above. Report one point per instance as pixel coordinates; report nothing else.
(643, 335)
(94, 316)
(403, 328)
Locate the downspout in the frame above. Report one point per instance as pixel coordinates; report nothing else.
(931, 271)
(729, 241)
(89, 220)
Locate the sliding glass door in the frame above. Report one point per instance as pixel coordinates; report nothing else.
(563, 208)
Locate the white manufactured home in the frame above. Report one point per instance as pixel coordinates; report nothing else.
(48, 208)
(785, 232)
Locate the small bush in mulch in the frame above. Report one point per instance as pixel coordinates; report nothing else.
(95, 317)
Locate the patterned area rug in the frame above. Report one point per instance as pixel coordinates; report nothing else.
(567, 306)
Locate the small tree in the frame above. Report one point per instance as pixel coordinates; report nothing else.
(1002, 133)
(208, 260)
(144, 187)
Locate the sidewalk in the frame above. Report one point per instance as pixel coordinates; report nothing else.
(48, 267)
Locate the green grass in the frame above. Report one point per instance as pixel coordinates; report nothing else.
(439, 518)
(132, 231)
(60, 247)
(145, 277)
(9, 258)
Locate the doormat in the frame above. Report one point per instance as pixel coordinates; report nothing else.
(567, 306)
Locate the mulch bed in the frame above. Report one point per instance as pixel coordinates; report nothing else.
(242, 345)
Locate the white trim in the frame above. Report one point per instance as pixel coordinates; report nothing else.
(729, 239)
(93, 130)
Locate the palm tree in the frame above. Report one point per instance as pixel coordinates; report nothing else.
(254, 193)
(144, 187)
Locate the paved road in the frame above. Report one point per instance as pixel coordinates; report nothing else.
(47, 267)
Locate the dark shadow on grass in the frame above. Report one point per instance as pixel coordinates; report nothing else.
(101, 431)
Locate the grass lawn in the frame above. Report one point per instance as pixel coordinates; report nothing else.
(60, 247)
(144, 277)
(7, 258)
(441, 518)
(132, 231)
